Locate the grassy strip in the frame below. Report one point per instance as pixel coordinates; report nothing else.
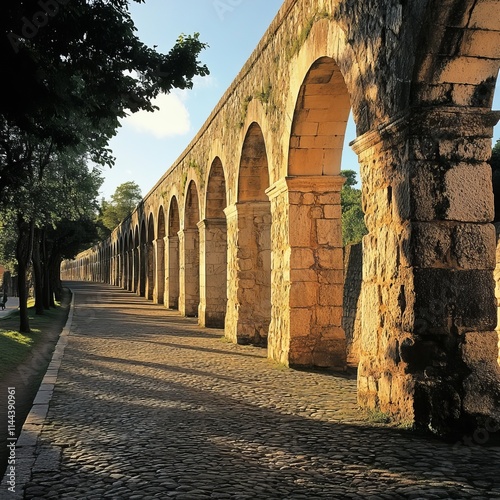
(15, 347)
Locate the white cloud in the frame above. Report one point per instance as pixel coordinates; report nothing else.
(200, 82)
(171, 119)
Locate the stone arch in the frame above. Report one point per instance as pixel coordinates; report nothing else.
(129, 284)
(136, 260)
(189, 248)
(253, 174)
(319, 121)
(249, 247)
(428, 288)
(306, 328)
(120, 267)
(150, 258)
(159, 253)
(143, 260)
(172, 256)
(213, 250)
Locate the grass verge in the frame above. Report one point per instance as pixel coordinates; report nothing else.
(15, 347)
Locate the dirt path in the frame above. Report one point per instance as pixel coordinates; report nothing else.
(26, 379)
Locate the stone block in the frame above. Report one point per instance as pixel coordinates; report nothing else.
(329, 315)
(474, 246)
(431, 244)
(472, 70)
(303, 275)
(308, 199)
(332, 212)
(300, 322)
(453, 245)
(329, 232)
(330, 295)
(462, 185)
(302, 128)
(458, 299)
(481, 43)
(331, 277)
(370, 318)
(332, 128)
(301, 226)
(303, 294)
(306, 162)
(329, 198)
(330, 258)
(481, 15)
(481, 347)
(302, 258)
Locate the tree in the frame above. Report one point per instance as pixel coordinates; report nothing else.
(353, 224)
(58, 185)
(122, 204)
(75, 68)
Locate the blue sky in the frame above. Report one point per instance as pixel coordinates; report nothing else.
(148, 144)
(232, 29)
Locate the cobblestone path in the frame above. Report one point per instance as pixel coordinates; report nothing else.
(147, 405)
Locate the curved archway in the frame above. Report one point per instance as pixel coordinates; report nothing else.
(172, 256)
(143, 259)
(249, 247)
(129, 284)
(159, 254)
(136, 260)
(150, 258)
(189, 245)
(306, 329)
(213, 251)
(319, 121)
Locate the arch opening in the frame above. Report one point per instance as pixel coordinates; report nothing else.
(159, 253)
(213, 255)
(248, 312)
(190, 254)
(308, 271)
(172, 263)
(150, 258)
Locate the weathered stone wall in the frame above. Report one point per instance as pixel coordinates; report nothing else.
(351, 314)
(497, 286)
(418, 78)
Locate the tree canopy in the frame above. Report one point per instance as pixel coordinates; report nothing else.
(73, 69)
(122, 204)
(353, 224)
(66, 56)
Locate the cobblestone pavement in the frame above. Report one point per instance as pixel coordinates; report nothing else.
(147, 405)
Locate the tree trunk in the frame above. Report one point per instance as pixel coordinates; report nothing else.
(24, 248)
(38, 272)
(48, 296)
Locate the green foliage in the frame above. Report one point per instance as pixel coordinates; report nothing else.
(353, 224)
(72, 79)
(378, 417)
(297, 42)
(122, 204)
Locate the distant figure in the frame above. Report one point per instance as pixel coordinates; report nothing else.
(4, 300)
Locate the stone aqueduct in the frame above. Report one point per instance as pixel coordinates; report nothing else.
(244, 230)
